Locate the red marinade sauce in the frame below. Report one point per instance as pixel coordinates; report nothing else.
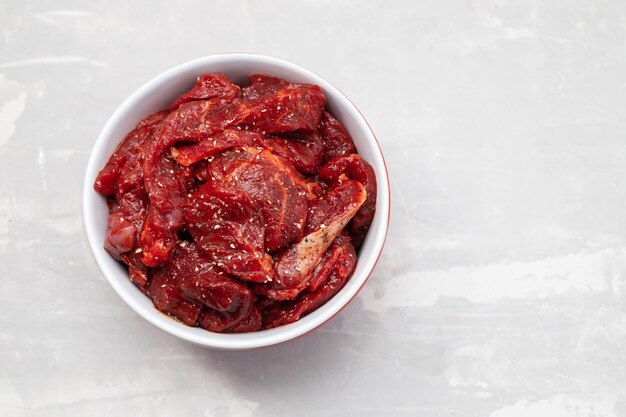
(238, 209)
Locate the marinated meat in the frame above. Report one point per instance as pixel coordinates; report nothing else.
(209, 86)
(329, 215)
(262, 85)
(214, 145)
(336, 139)
(167, 296)
(354, 167)
(126, 153)
(294, 108)
(202, 281)
(304, 150)
(228, 228)
(274, 187)
(236, 209)
(338, 266)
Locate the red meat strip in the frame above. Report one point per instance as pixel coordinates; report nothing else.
(262, 85)
(214, 145)
(295, 265)
(340, 261)
(120, 235)
(296, 107)
(204, 282)
(356, 168)
(167, 296)
(106, 181)
(220, 321)
(274, 186)
(338, 141)
(305, 150)
(329, 263)
(242, 320)
(252, 323)
(190, 280)
(229, 229)
(209, 86)
(137, 271)
(157, 239)
(125, 222)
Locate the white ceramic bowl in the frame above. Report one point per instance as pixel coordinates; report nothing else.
(157, 94)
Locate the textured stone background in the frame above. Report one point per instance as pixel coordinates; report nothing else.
(502, 289)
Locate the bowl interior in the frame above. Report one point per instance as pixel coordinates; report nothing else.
(157, 94)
